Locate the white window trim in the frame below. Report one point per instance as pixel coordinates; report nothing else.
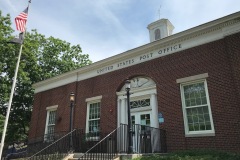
(193, 80)
(50, 108)
(89, 101)
(97, 98)
(147, 108)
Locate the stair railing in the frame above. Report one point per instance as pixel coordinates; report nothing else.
(56, 150)
(106, 148)
(146, 139)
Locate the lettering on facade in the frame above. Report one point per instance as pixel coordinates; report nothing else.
(105, 69)
(124, 63)
(170, 49)
(146, 56)
(140, 58)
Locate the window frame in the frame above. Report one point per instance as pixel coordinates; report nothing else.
(136, 97)
(49, 109)
(90, 101)
(184, 109)
(157, 34)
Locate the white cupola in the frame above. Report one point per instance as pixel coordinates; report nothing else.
(160, 29)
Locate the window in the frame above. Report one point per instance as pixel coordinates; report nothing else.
(157, 34)
(50, 123)
(140, 103)
(196, 109)
(93, 118)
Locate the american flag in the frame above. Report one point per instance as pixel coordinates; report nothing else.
(21, 20)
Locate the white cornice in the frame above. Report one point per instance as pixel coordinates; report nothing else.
(199, 35)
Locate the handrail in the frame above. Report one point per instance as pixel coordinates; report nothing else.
(146, 139)
(99, 142)
(52, 143)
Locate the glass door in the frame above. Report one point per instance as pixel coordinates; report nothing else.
(141, 122)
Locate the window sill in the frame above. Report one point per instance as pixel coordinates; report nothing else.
(48, 140)
(92, 138)
(199, 134)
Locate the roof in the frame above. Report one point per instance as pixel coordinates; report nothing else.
(196, 36)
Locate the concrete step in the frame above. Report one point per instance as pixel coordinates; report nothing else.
(104, 156)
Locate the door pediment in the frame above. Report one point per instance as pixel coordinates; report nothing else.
(140, 82)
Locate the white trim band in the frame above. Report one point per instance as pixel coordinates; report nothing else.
(94, 98)
(52, 107)
(192, 78)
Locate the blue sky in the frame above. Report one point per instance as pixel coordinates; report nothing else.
(104, 28)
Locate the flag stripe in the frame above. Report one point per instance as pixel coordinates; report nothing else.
(21, 20)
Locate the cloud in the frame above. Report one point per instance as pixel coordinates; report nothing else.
(11, 6)
(109, 27)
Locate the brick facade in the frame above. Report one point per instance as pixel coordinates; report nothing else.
(220, 59)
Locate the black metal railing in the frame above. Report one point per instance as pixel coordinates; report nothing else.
(33, 146)
(145, 140)
(56, 150)
(104, 149)
(96, 145)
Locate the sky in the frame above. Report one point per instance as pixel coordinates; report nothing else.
(104, 28)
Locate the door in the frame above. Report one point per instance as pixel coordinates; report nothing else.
(141, 122)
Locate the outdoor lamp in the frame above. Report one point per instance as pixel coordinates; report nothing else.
(130, 141)
(72, 97)
(127, 84)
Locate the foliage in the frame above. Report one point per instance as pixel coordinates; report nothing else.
(41, 58)
(2, 118)
(194, 155)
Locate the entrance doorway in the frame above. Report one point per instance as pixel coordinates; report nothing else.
(144, 112)
(141, 118)
(141, 122)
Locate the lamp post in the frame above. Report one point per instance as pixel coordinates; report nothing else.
(72, 99)
(130, 144)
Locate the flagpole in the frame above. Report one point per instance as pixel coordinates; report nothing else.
(10, 101)
(11, 95)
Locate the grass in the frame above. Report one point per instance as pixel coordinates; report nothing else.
(194, 155)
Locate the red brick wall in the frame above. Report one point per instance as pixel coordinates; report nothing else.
(220, 59)
(58, 96)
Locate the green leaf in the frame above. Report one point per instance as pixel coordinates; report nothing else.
(42, 58)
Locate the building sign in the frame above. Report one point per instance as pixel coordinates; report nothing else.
(160, 117)
(140, 59)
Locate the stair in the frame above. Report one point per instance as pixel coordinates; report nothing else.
(96, 156)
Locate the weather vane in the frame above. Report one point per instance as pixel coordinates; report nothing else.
(159, 12)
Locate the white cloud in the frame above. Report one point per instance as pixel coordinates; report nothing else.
(10, 5)
(108, 27)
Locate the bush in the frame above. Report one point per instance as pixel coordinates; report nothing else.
(194, 155)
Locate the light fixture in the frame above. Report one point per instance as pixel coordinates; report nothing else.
(130, 140)
(72, 97)
(127, 84)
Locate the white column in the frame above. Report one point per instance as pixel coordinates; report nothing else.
(155, 134)
(119, 112)
(153, 101)
(126, 111)
(123, 111)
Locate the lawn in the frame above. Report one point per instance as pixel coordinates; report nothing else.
(194, 155)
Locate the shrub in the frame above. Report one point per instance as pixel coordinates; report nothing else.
(194, 155)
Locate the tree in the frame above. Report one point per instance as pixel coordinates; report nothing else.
(1, 124)
(42, 58)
